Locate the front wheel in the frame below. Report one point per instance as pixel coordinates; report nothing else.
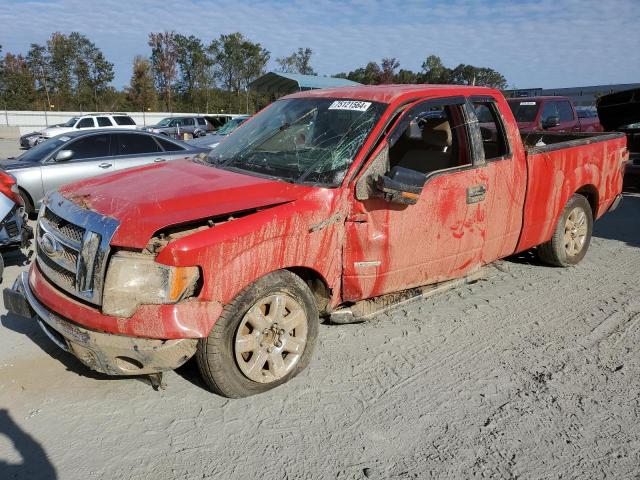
(571, 238)
(263, 338)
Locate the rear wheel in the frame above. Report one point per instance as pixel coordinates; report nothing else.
(571, 238)
(262, 339)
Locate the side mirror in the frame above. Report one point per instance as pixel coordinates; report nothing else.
(401, 185)
(549, 122)
(63, 155)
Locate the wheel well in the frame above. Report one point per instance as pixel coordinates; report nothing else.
(31, 206)
(317, 284)
(591, 194)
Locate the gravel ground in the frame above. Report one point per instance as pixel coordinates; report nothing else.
(531, 373)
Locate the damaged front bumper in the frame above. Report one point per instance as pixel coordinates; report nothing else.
(104, 352)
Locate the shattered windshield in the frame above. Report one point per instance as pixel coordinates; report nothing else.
(300, 140)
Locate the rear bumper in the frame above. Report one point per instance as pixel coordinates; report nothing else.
(103, 352)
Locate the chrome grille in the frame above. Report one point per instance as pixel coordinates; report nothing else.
(72, 246)
(65, 228)
(57, 274)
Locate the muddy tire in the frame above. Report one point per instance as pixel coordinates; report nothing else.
(572, 235)
(263, 338)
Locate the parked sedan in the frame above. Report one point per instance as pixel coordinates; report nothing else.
(79, 155)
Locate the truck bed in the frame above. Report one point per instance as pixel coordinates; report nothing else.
(560, 164)
(539, 142)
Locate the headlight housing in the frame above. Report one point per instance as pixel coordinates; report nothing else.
(135, 279)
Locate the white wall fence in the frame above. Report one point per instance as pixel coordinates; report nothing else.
(29, 121)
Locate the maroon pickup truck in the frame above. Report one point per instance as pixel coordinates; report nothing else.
(552, 114)
(328, 204)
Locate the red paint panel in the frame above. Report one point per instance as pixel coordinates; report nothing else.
(304, 233)
(191, 319)
(152, 197)
(553, 177)
(438, 238)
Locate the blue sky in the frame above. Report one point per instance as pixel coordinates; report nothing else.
(546, 43)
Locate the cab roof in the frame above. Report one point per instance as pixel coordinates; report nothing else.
(393, 93)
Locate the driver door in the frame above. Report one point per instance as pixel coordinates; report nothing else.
(392, 247)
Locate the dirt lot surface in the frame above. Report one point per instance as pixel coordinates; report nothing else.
(532, 373)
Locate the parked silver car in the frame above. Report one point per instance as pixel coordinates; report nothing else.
(79, 155)
(177, 126)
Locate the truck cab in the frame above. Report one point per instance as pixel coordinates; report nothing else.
(551, 113)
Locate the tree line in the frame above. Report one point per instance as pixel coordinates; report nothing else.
(182, 73)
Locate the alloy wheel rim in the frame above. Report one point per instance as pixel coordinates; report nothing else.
(575, 232)
(271, 338)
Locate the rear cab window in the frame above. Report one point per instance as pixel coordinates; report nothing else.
(494, 136)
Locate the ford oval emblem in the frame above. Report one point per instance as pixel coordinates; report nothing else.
(49, 245)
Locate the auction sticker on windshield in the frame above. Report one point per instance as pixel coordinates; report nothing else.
(527, 103)
(350, 105)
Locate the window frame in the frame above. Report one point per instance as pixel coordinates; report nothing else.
(104, 118)
(78, 127)
(419, 107)
(69, 146)
(117, 153)
(570, 109)
(128, 117)
(492, 104)
(159, 141)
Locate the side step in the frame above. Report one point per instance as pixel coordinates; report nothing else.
(365, 309)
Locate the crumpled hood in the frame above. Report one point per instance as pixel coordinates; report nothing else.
(153, 197)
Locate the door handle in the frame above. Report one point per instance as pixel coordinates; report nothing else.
(476, 194)
(160, 159)
(104, 165)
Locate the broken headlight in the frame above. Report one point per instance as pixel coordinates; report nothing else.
(135, 279)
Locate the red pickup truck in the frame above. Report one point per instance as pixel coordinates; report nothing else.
(552, 114)
(327, 204)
